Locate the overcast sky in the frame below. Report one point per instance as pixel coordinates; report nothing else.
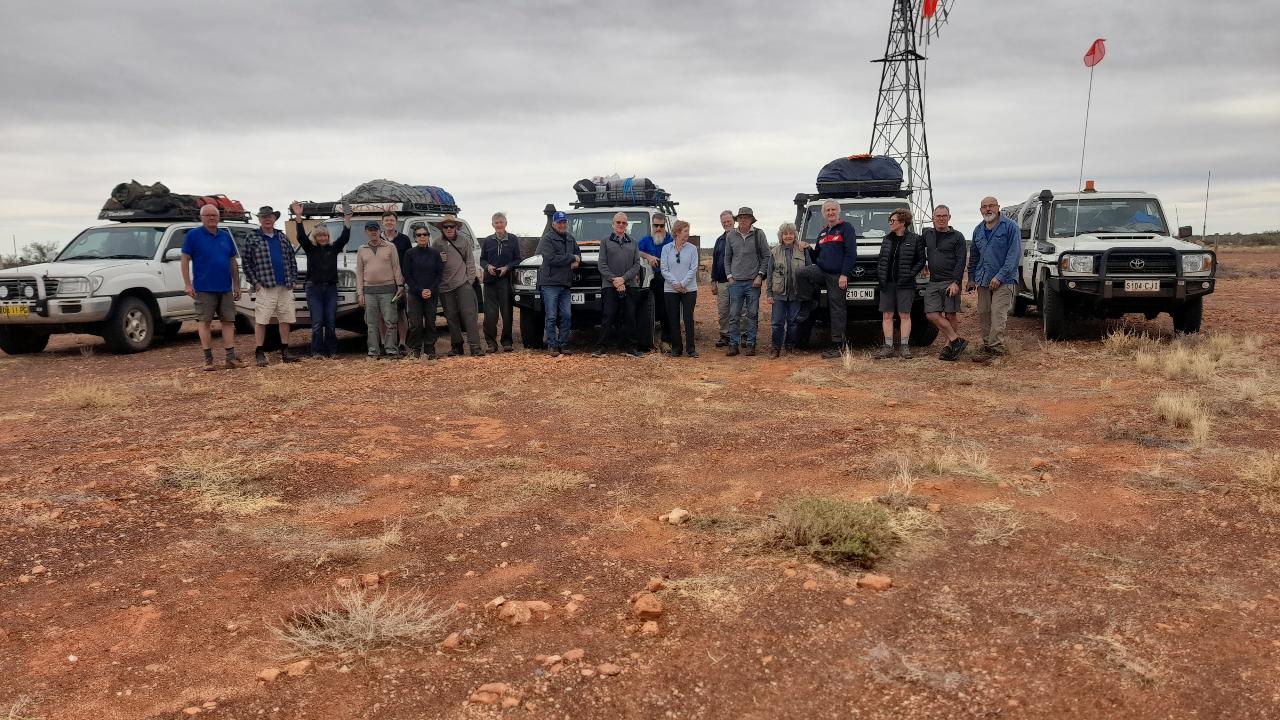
(506, 104)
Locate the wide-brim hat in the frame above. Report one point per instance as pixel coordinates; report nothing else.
(745, 211)
(447, 220)
(266, 210)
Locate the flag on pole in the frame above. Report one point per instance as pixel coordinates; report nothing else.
(930, 8)
(1097, 51)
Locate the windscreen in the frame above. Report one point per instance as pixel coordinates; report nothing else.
(1108, 215)
(871, 221)
(596, 226)
(124, 242)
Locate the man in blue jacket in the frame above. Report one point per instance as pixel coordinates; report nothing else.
(993, 272)
(720, 279)
(651, 251)
(499, 258)
(560, 256)
(836, 253)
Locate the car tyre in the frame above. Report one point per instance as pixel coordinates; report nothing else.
(1053, 312)
(1020, 306)
(18, 340)
(532, 327)
(131, 327)
(1186, 318)
(644, 324)
(923, 332)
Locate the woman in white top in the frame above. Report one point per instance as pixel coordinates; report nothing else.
(679, 265)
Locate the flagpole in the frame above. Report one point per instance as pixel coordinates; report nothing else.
(1084, 143)
(1204, 227)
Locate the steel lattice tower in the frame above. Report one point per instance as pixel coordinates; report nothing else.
(899, 130)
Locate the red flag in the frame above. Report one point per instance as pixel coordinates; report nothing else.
(1097, 51)
(930, 8)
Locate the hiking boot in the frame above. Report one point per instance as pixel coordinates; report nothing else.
(477, 351)
(884, 353)
(416, 354)
(633, 353)
(775, 353)
(958, 345)
(234, 363)
(733, 351)
(508, 348)
(983, 355)
(598, 353)
(905, 352)
(723, 341)
(555, 351)
(455, 351)
(833, 352)
(286, 356)
(208, 365)
(750, 351)
(692, 353)
(948, 352)
(260, 358)
(564, 350)
(493, 347)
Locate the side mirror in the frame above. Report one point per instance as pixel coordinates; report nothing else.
(1046, 248)
(1026, 233)
(1184, 232)
(175, 254)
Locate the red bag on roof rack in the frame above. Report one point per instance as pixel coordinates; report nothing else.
(133, 201)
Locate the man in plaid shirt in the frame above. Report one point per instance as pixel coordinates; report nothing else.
(271, 268)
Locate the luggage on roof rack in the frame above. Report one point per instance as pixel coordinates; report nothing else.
(335, 209)
(607, 192)
(135, 202)
(378, 196)
(861, 175)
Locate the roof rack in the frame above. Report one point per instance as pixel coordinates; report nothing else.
(136, 215)
(607, 199)
(334, 209)
(846, 191)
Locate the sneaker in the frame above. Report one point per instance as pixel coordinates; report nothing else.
(959, 345)
(416, 354)
(565, 351)
(733, 351)
(723, 341)
(286, 356)
(477, 351)
(393, 355)
(905, 352)
(234, 363)
(260, 358)
(775, 353)
(676, 353)
(833, 352)
(884, 353)
(598, 353)
(493, 347)
(692, 353)
(948, 352)
(555, 351)
(508, 348)
(750, 351)
(983, 355)
(208, 365)
(455, 352)
(633, 353)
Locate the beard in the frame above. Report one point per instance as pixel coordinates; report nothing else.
(990, 217)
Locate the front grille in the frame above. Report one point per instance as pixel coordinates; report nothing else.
(1141, 263)
(50, 287)
(586, 277)
(16, 288)
(867, 268)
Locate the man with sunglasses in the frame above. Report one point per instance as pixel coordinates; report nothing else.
(422, 270)
(620, 289)
(651, 251)
(457, 287)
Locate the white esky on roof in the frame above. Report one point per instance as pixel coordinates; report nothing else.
(725, 104)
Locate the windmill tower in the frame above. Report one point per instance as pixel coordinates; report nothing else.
(899, 130)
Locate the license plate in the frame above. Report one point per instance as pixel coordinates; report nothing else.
(1142, 285)
(860, 294)
(15, 310)
(577, 298)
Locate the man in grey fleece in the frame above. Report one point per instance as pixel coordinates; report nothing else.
(456, 287)
(620, 268)
(746, 263)
(945, 256)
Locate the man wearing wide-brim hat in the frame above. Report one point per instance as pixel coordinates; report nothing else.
(456, 286)
(271, 268)
(746, 263)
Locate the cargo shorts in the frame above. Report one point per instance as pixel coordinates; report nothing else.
(222, 304)
(274, 302)
(896, 299)
(936, 299)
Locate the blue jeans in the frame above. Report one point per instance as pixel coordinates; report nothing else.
(785, 325)
(744, 312)
(322, 303)
(558, 309)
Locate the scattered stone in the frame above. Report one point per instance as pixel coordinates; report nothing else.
(791, 564)
(810, 584)
(631, 629)
(655, 584)
(678, 516)
(489, 693)
(574, 655)
(538, 606)
(496, 602)
(933, 508)
(148, 593)
(24, 579)
(608, 669)
(891, 403)
(296, 669)
(587, 672)
(790, 572)
(849, 602)
(455, 481)
(451, 642)
(193, 710)
(1075, 453)
(649, 629)
(72, 659)
(648, 606)
(1039, 463)
(211, 705)
(504, 544)
(469, 573)
(370, 580)
(1046, 477)
(269, 675)
(571, 609)
(875, 582)
(549, 660)
(38, 570)
(515, 612)
(510, 701)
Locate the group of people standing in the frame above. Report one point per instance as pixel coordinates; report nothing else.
(400, 282)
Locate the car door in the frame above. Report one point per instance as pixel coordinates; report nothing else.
(1030, 247)
(173, 300)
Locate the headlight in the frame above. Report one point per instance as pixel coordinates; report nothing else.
(346, 280)
(527, 278)
(1076, 263)
(77, 286)
(1196, 263)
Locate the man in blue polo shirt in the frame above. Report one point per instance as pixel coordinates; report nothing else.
(214, 283)
(993, 272)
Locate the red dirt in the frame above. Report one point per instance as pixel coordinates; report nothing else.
(1144, 582)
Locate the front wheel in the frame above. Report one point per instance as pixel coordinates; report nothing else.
(1186, 318)
(644, 324)
(131, 327)
(532, 326)
(1053, 312)
(18, 340)
(923, 332)
(1020, 305)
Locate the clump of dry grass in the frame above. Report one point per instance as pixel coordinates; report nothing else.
(21, 709)
(450, 508)
(275, 386)
(90, 396)
(714, 594)
(1128, 342)
(1198, 358)
(359, 623)
(957, 458)
(832, 530)
(997, 524)
(1261, 477)
(549, 482)
(1180, 410)
(293, 545)
(221, 483)
(1120, 656)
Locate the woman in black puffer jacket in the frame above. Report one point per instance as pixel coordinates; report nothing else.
(901, 260)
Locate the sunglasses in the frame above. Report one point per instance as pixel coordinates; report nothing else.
(420, 235)
(659, 225)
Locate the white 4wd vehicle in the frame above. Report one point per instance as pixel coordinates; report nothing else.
(121, 281)
(1104, 254)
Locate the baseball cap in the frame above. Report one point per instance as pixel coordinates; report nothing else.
(371, 225)
(559, 216)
